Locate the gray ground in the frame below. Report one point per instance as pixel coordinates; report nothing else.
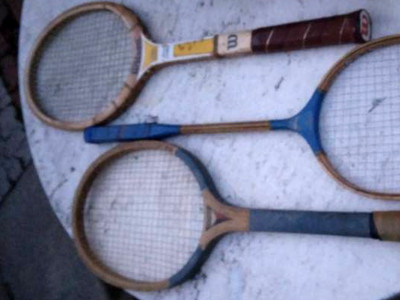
(37, 258)
(14, 150)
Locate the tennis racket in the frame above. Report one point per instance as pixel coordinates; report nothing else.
(92, 60)
(351, 122)
(147, 213)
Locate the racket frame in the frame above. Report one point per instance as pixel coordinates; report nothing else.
(131, 86)
(233, 218)
(324, 86)
(151, 55)
(221, 218)
(305, 122)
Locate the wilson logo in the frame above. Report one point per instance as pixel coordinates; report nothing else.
(232, 41)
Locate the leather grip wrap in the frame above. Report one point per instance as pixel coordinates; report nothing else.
(354, 27)
(387, 225)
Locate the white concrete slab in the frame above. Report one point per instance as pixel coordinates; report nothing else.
(275, 170)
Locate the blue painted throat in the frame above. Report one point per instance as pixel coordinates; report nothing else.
(306, 122)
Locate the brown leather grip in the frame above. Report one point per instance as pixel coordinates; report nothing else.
(387, 224)
(354, 27)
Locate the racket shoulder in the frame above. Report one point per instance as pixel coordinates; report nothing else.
(191, 268)
(220, 217)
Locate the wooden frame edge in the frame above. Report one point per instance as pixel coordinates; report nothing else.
(325, 85)
(128, 90)
(329, 77)
(81, 244)
(322, 158)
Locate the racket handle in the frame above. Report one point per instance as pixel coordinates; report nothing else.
(125, 133)
(134, 132)
(313, 222)
(378, 225)
(354, 27)
(387, 224)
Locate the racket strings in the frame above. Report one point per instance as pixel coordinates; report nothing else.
(360, 121)
(144, 215)
(82, 66)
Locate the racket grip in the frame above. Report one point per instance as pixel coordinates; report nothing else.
(387, 224)
(125, 133)
(313, 222)
(354, 27)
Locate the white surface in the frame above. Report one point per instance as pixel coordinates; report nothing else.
(275, 170)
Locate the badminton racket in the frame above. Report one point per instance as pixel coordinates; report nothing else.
(351, 122)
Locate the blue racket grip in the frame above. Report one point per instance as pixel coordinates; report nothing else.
(126, 133)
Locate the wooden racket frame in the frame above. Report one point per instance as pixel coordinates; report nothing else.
(164, 130)
(147, 64)
(324, 86)
(152, 56)
(219, 219)
(130, 87)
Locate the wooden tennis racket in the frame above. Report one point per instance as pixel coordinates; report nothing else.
(147, 213)
(351, 122)
(92, 60)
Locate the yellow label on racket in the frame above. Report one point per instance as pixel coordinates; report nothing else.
(150, 54)
(196, 47)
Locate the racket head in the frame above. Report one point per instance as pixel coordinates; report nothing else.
(145, 216)
(356, 116)
(84, 67)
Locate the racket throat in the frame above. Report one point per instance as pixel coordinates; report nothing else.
(306, 122)
(162, 54)
(214, 218)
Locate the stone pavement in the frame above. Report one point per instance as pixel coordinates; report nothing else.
(37, 257)
(14, 150)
